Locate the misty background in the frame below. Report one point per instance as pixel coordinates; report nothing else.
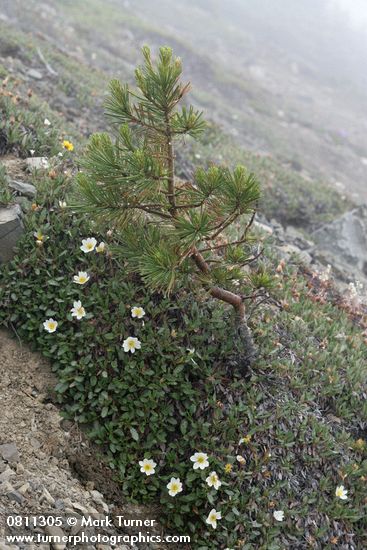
(286, 79)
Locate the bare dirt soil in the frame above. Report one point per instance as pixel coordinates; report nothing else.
(47, 466)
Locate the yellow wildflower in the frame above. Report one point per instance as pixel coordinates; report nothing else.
(68, 145)
(228, 468)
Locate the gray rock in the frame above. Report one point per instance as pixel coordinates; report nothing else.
(47, 497)
(54, 531)
(80, 508)
(37, 163)
(26, 189)
(9, 452)
(5, 487)
(33, 73)
(345, 240)
(16, 496)
(77, 527)
(96, 496)
(289, 250)
(298, 238)
(35, 443)
(24, 488)
(6, 475)
(59, 504)
(23, 202)
(11, 228)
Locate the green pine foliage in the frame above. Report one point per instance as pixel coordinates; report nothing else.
(171, 231)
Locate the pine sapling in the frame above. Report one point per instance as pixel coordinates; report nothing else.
(174, 233)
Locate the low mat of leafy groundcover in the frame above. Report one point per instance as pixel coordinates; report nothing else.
(303, 404)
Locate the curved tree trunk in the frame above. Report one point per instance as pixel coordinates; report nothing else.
(249, 355)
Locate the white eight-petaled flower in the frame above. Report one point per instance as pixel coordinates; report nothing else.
(341, 492)
(131, 344)
(213, 517)
(147, 466)
(88, 245)
(278, 515)
(200, 460)
(78, 310)
(174, 486)
(81, 278)
(213, 480)
(50, 325)
(137, 312)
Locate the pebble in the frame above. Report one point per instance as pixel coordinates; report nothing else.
(54, 531)
(35, 443)
(5, 487)
(47, 497)
(81, 508)
(6, 475)
(36, 75)
(24, 488)
(15, 495)
(59, 504)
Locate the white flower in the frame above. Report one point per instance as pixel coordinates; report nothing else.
(240, 459)
(39, 236)
(81, 278)
(137, 311)
(78, 310)
(60, 154)
(200, 460)
(174, 486)
(32, 151)
(278, 515)
(62, 204)
(50, 325)
(147, 466)
(213, 517)
(88, 245)
(131, 344)
(213, 480)
(46, 122)
(101, 247)
(341, 492)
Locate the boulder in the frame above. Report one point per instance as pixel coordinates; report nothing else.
(23, 188)
(37, 163)
(345, 240)
(11, 228)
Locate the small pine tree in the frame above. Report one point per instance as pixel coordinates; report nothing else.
(171, 231)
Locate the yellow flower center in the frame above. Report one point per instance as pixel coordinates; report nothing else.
(200, 459)
(51, 326)
(131, 344)
(213, 517)
(174, 487)
(148, 468)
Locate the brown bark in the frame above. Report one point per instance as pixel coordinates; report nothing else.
(248, 357)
